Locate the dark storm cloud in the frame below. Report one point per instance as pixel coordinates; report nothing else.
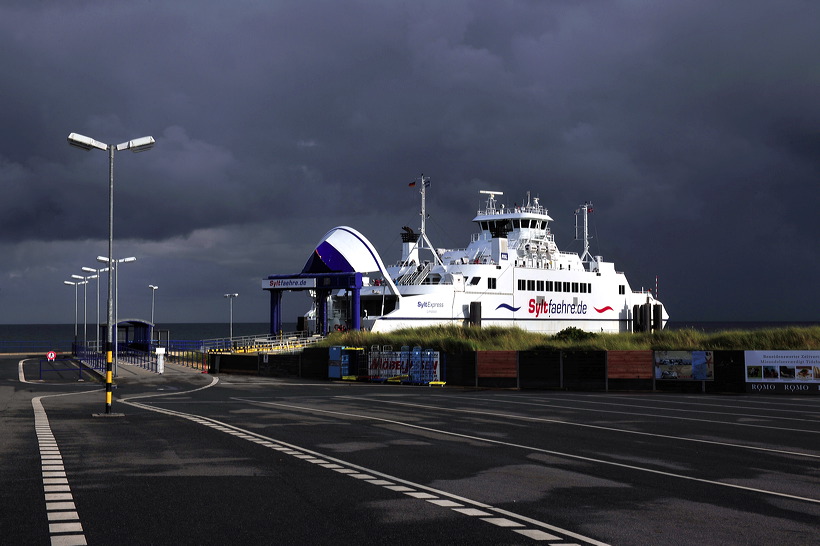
(691, 125)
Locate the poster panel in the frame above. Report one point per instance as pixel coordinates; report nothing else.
(417, 366)
(685, 365)
(783, 371)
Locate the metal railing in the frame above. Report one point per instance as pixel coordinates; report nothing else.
(68, 365)
(135, 357)
(263, 343)
(416, 276)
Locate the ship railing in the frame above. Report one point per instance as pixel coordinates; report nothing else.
(264, 343)
(531, 209)
(417, 276)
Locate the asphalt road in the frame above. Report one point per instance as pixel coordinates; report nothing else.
(201, 459)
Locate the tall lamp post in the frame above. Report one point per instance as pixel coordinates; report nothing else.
(85, 305)
(97, 276)
(136, 145)
(230, 298)
(74, 284)
(114, 264)
(153, 291)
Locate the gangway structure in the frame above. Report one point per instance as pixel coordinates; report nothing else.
(262, 343)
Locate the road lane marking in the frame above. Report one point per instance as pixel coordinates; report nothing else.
(61, 513)
(489, 514)
(535, 449)
(668, 398)
(585, 425)
(537, 402)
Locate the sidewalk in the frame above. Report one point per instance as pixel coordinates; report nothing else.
(132, 371)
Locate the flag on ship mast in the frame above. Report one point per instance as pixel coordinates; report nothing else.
(426, 181)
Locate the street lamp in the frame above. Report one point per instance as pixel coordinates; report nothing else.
(136, 145)
(153, 291)
(114, 264)
(85, 305)
(230, 298)
(74, 284)
(97, 276)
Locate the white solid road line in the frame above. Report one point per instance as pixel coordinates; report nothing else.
(528, 527)
(540, 450)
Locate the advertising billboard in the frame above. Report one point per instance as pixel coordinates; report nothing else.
(796, 372)
(685, 365)
(411, 365)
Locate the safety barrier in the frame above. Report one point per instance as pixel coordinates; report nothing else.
(264, 343)
(51, 366)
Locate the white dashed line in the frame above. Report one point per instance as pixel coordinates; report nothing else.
(523, 525)
(502, 522)
(64, 522)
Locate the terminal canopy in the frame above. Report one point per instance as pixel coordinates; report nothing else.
(343, 250)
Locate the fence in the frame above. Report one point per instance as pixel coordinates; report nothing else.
(268, 343)
(52, 366)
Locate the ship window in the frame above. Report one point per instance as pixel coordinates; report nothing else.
(549, 286)
(522, 284)
(583, 288)
(540, 286)
(589, 288)
(530, 285)
(566, 286)
(475, 280)
(621, 289)
(575, 287)
(491, 283)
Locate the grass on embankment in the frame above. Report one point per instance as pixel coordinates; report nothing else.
(456, 339)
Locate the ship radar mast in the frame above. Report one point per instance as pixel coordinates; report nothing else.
(582, 229)
(425, 183)
(491, 199)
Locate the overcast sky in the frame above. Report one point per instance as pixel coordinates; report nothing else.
(693, 126)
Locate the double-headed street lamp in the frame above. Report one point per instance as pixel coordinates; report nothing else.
(153, 291)
(96, 276)
(114, 264)
(230, 298)
(136, 145)
(74, 284)
(85, 304)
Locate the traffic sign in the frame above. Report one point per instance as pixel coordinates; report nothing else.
(51, 355)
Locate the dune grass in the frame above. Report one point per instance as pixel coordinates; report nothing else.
(458, 339)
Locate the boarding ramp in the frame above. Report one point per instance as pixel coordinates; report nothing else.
(292, 342)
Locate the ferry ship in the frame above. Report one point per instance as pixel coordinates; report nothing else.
(511, 274)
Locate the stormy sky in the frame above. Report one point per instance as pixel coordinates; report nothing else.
(693, 126)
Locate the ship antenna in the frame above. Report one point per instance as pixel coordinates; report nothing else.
(425, 182)
(583, 211)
